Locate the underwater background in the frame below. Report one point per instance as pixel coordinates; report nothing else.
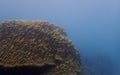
(93, 26)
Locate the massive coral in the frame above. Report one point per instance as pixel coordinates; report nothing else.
(36, 48)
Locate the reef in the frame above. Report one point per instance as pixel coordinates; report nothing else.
(39, 47)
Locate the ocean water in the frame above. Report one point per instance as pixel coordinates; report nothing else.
(93, 26)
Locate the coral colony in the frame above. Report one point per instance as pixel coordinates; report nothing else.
(36, 48)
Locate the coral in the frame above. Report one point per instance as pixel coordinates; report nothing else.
(37, 45)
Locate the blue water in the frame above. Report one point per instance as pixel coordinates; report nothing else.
(93, 25)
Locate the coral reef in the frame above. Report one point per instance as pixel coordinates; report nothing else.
(39, 46)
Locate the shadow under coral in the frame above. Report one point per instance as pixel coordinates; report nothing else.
(25, 70)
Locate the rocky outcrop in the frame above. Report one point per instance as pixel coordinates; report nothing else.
(36, 48)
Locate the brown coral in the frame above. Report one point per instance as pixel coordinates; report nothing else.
(37, 45)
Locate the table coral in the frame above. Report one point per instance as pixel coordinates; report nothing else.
(36, 48)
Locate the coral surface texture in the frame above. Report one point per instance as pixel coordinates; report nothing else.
(39, 47)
